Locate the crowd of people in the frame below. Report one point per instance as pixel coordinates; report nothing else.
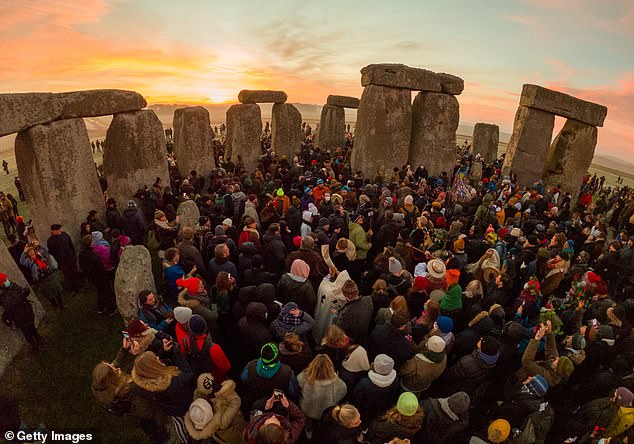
(312, 304)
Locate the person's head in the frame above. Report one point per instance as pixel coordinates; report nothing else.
(347, 415)
(224, 282)
(399, 303)
(474, 288)
(272, 432)
(292, 342)
(489, 345)
(399, 319)
(350, 290)
(56, 229)
(221, 251)
(335, 337)
(320, 368)
(188, 234)
(274, 228)
(146, 297)
(499, 431)
(152, 374)
(86, 241)
(249, 222)
(172, 255)
(30, 252)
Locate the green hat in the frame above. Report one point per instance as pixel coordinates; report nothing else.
(280, 192)
(407, 404)
(270, 354)
(565, 367)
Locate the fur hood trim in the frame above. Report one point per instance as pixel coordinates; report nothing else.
(185, 301)
(206, 432)
(152, 385)
(478, 318)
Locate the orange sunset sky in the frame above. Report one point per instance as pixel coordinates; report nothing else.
(198, 51)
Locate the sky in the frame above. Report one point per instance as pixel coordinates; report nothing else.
(206, 51)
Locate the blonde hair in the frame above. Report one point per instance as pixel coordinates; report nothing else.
(147, 365)
(335, 337)
(345, 414)
(475, 287)
(379, 284)
(292, 342)
(320, 369)
(399, 303)
(342, 244)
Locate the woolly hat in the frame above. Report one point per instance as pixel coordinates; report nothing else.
(197, 325)
(408, 200)
(228, 222)
(459, 402)
(350, 290)
(437, 295)
(623, 397)
(204, 383)
(200, 413)
(136, 328)
(538, 386)
(605, 332)
(182, 314)
(441, 222)
(219, 230)
(383, 364)
(190, 284)
(436, 269)
(158, 214)
(407, 404)
(565, 367)
(300, 268)
(453, 276)
(458, 245)
(578, 342)
(3, 278)
(490, 229)
(280, 192)
(436, 344)
(394, 265)
(435, 204)
(516, 232)
(445, 324)
(270, 354)
(307, 216)
(499, 430)
(421, 283)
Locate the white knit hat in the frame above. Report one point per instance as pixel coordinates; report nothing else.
(200, 413)
(436, 344)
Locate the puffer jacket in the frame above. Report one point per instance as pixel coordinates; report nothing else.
(469, 373)
(439, 427)
(252, 329)
(420, 371)
(359, 238)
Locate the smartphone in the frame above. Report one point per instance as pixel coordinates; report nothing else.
(125, 334)
(277, 394)
(593, 322)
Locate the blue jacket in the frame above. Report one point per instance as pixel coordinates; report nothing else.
(171, 275)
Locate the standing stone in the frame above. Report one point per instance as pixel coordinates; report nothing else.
(486, 138)
(286, 130)
(332, 126)
(529, 145)
(252, 96)
(13, 341)
(383, 130)
(570, 156)
(435, 119)
(133, 275)
(58, 175)
(192, 140)
(244, 127)
(134, 155)
(188, 214)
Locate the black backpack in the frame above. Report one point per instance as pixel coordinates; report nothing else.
(199, 359)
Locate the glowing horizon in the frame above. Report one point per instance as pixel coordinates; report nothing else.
(206, 52)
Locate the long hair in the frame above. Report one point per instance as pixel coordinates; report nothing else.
(475, 288)
(431, 313)
(399, 303)
(335, 337)
(320, 369)
(345, 414)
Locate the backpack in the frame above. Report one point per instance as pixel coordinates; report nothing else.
(199, 359)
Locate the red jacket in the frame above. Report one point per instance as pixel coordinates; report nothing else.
(218, 357)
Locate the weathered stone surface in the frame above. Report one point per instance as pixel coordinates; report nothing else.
(188, 214)
(451, 84)
(570, 156)
(486, 138)
(435, 119)
(344, 101)
(286, 130)
(13, 341)
(21, 111)
(528, 148)
(535, 96)
(261, 96)
(244, 127)
(400, 76)
(134, 155)
(24, 110)
(383, 129)
(192, 140)
(99, 102)
(133, 275)
(332, 126)
(58, 175)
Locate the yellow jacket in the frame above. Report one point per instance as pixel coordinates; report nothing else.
(623, 420)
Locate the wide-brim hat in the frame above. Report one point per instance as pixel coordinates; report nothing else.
(436, 269)
(490, 274)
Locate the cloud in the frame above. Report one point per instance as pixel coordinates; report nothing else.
(525, 20)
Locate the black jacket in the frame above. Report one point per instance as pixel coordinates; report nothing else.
(17, 308)
(387, 339)
(134, 226)
(61, 247)
(92, 267)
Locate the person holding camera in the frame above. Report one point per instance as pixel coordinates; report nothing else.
(275, 419)
(154, 312)
(43, 269)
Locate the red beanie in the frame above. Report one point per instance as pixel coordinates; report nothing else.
(441, 222)
(3, 278)
(421, 283)
(190, 284)
(601, 289)
(593, 277)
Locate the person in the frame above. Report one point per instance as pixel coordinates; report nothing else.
(154, 312)
(133, 224)
(355, 317)
(341, 424)
(274, 249)
(113, 216)
(403, 420)
(194, 296)
(295, 353)
(92, 267)
(445, 418)
(189, 252)
(18, 186)
(320, 388)
(379, 390)
(18, 311)
(7, 214)
(274, 421)
(202, 353)
(390, 339)
(292, 320)
(222, 262)
(61, 247)
(359, 237)
(425, 367)
(43, 272)
(173, 272)
(295, 287)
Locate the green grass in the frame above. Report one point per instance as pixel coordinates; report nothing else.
(53, 387)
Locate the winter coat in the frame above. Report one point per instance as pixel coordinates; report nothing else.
(302, 293)
(292, 422)
(155, 317)
(355, 317)
(372, 400)
(216, 267)
(383, 429)
(419, 372)
(298, 360)
(114, 219)
(220, 365)
(261, 386)
(532, 367)
(388, 340)
(17, 308)
(134, 226)
(318, 395)
(92, 266)
(275, 252)
(279, 329)
(227, 422)
(518, 408)
(439, 427)
(359, 238)
(253, 330)
(189, 252)
(469, 373)
(61, 247)
(333, 432)
(467, 339)
(36, 274)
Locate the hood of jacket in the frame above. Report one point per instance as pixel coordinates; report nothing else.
(256, 312)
